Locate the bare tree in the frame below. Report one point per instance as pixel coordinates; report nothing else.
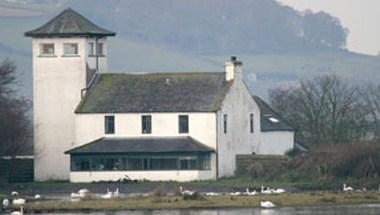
(15, 126)
(325, 109)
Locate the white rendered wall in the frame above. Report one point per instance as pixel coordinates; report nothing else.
(57, 84)
(152, 175)
(276, 142)
(202, 126)
(238, 105)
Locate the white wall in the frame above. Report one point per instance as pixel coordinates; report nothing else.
(57, 84)
(152, 175)
(202, 126)
(238, 105)
(276, 142)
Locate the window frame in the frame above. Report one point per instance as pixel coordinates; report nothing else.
(146, 124)
(76, 45)
(183, 129)
(41, 51)
(109, 128)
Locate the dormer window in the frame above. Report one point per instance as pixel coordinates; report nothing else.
(70, 48)
(47, 49)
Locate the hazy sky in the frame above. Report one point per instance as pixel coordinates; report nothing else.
(361, 17)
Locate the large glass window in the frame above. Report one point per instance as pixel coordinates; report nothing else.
(70, 48)
(109, 124)
(134, 163)
(183, 124)
(146, 124)
(47, 49)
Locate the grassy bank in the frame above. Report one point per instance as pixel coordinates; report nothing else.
(178, 202)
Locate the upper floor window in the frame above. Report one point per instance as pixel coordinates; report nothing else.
(146, 124)
(251, 122)
(70, 48)
(225, 123)
(183, 124)
(47, 49)
(109, 124)
(91, 49)
(99, 49)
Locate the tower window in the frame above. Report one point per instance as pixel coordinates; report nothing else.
(70, 48)
(225, 123)
(183, 124)
(91, 49)
(99, 49)
(109, 124)
(47, 49)
(146, 124)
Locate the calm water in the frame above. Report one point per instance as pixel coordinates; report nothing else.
(325, 210)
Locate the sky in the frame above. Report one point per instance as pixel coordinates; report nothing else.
(361, 17)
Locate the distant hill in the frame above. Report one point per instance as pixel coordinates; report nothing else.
(276, 43)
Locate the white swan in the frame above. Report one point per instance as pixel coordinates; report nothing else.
(75, 195)
(108, 195)
(212, 194)
(116, 193)
(83, 193)
(14, 193)
(252, 193)
(37, 196)
(279, 191)
(266, 191)
(21, 212)
(347, 188)
(267, 204)
(186, 192)
(235, 194)
(5, 202)
(19, 201)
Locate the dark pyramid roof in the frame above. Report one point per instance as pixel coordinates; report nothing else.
(155, 92)
(142, 145)
(69, 23)
(266, 113)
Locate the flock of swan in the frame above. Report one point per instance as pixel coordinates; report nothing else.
(83, 193)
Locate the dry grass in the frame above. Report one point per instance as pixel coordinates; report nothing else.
(173, 202)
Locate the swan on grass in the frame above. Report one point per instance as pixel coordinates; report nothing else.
(107, 195)
(21, 212)
(267, 204)
(19, 201)
(116, 193)
(6, 203)
(347, 188)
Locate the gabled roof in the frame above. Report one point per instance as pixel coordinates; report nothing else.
(69, 23)
(142, 145)
(155, 92)
(270, 119)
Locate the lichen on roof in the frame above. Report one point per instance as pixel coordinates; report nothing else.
(155, 92)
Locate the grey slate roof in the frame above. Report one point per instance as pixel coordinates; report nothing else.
(69, 23)
(155, 92)
(266, 113)
(142, 145)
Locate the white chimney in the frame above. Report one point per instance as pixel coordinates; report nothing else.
(232, 68)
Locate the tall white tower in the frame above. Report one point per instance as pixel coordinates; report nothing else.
(67, 52)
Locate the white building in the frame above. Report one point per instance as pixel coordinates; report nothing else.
(92, 125)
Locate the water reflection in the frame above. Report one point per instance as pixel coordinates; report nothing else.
(315, 210)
